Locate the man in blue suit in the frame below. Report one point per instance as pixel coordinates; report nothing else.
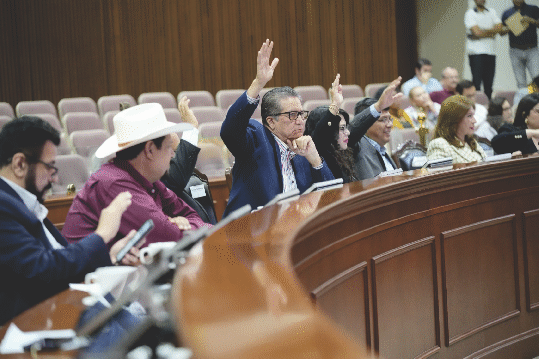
(36, 262)
(273, 157)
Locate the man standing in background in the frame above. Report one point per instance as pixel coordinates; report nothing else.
(523, 50)
(482, 24)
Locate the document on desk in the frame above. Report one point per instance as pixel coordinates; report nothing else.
(514, 23)
(15, 339)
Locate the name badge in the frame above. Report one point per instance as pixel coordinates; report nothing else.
(198, 191)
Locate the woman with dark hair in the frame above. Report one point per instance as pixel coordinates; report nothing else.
(523, 134)
(453, 135)
(328, 127)
(499, 113)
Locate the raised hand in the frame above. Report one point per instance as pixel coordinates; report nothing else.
(304, 146)
(186, 113)
(264, 71)
(335, 92)
(110, 218)
(389, 96)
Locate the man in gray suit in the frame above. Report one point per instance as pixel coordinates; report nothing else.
(370, 131)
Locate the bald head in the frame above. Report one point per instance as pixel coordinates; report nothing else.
(450, 78)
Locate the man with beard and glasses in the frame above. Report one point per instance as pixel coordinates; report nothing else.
(36, 262)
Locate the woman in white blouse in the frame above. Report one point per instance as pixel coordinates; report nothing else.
(453, 135)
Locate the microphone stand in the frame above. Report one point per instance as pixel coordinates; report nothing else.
(167, 261)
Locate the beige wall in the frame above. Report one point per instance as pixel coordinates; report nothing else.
(441, 38)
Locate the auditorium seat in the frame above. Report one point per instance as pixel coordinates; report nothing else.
(210, 130)
(52, 119)
(349, 104)
(312, 104)
(211, 160)
(78, 121)
(173, 115)
(165, 99)
(87, 142)
(36, 107)
(481, 98)
(65, 147)
(508, 95)
(4, 119)
(371, 89)
(352, 91)
(208, 114)
(257, 115)
(76, 104)
(108, 121)
(197, 98)
(6, 110)
(225, 98)
(314, 92)
(72, 169)
(112, 103)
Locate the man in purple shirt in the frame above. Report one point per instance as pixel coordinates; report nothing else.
(449, 81)
(144, 143)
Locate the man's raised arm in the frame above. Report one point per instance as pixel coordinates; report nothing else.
(264, 71)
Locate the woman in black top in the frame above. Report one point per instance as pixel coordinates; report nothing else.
(523, 134)
(328, 127)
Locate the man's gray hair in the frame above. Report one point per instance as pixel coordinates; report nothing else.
(271, 102)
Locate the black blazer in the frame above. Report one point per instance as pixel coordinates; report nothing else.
(510, 139)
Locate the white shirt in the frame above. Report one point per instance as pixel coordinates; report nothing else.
(480, 115)
(30, 200)
(432, 117)
(289, 177)
(486, 21)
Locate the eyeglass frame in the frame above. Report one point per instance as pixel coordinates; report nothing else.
(304, 115)
(49, 167)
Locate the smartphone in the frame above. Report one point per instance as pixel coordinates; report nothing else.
(47, 344)
(139, 236)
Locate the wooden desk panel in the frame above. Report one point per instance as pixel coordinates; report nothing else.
(419, 265)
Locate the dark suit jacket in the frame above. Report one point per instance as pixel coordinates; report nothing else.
(511, 139)
(256, 174)
(31, 271)
(368, 163)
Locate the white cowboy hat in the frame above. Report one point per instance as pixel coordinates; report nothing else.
(138, 124)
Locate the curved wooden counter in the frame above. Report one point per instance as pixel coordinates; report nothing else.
(443, 265)
(439, 265)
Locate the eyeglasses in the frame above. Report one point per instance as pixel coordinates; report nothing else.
(385, 120)
(49, 167)
(293, 115)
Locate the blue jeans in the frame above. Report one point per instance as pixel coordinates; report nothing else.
(483, 67)
(522, 60)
